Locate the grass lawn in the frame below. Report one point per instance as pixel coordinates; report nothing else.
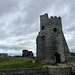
(15, 63)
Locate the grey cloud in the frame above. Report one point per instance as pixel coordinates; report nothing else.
(7, 6)
(35, 8)
(19, 46)
(71, 29)
(72, 49)
(9, 47)
(26, 23)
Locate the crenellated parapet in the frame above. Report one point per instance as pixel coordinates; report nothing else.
(45, 21)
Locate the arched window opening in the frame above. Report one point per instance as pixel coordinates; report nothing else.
(43, 27)
(55, 30)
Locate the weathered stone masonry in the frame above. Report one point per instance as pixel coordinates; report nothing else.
(27, 54)
(38, 71)
(51, 43)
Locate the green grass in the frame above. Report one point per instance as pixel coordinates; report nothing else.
(15, 63)
(69, 61)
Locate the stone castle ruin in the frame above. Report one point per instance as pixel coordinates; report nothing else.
(51, 43)
(27, 54)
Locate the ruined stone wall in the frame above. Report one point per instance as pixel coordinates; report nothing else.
(27, 54)
(38, 71)
(51, 40)
(26, 71)
(59, 70)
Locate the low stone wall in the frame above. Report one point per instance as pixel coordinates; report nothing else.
(59, 70)
(26, 71)
(38, 71)
(71, 58)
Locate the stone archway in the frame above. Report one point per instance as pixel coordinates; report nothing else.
(57, 57)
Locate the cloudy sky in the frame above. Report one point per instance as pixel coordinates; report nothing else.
(20, 22)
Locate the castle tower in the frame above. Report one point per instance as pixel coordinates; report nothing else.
(51, 43)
